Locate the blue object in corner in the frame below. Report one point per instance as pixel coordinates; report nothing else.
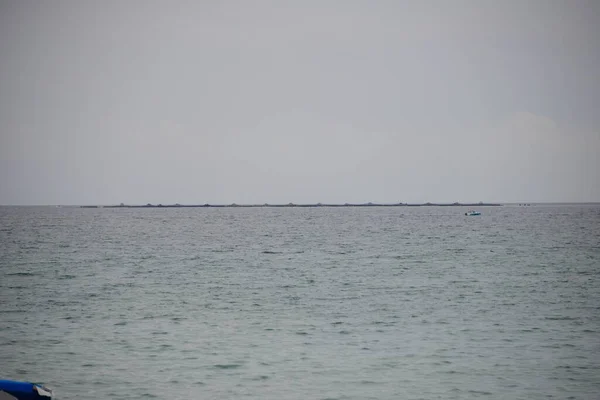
(24, 390)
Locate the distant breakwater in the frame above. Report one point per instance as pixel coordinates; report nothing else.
(234, 205)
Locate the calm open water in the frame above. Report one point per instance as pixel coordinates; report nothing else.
(320, 303)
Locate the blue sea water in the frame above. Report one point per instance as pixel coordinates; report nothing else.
(302, 303)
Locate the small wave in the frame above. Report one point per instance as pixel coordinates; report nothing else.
(227, 366)
(337, 298)
(21, 274)
(29, 247)
(572, 367)
(271, 252)
(551, 346)
(561, 318)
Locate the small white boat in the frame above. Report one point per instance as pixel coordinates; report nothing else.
(472, 212)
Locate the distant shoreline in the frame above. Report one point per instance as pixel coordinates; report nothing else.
(290, 205)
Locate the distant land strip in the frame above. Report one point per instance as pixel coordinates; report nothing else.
(234, 205)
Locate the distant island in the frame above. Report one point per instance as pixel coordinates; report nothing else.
(234, 205)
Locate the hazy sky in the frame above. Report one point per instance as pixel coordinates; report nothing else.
(257, 101)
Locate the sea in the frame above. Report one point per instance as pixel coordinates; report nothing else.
(302, 303)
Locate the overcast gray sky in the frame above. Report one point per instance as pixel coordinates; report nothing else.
(258, 101)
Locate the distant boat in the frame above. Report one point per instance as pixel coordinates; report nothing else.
(471, 213)
(14, 390)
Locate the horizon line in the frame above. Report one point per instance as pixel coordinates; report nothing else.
(291, 204)
(235, 205)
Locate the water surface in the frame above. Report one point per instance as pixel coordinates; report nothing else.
(288, 303)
